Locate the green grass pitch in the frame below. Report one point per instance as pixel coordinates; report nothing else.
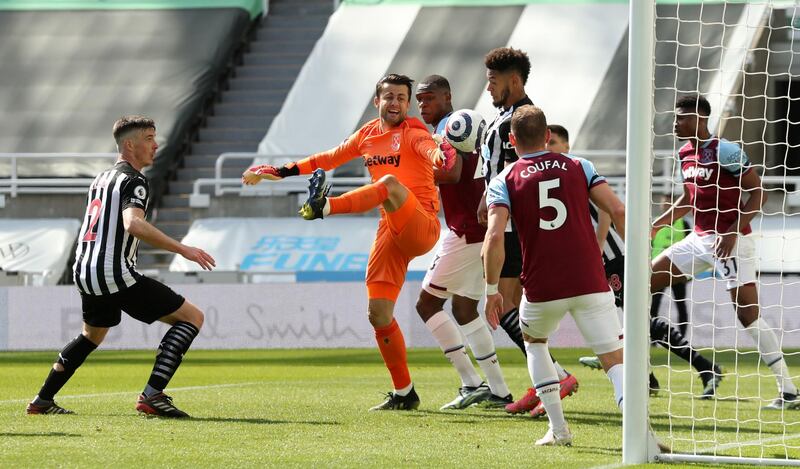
(301, 408)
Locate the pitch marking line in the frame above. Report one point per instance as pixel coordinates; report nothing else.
(128, 393)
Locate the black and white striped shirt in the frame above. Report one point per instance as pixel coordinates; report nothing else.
(497, 150)
(105, 257)
(615, 246)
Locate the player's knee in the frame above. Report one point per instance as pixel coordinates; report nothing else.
(390, 181)
(464, 314)
(95, 336)
(197, 318)
(425, 309)
(533, 340)
(747, 314)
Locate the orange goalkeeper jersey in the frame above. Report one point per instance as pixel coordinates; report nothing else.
(404, 151)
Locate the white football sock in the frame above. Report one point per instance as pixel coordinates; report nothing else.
(482, 345)
(545, 380)
(446, 333)
(405, 390)
(562, 373)
(770, 350)
(615, 376)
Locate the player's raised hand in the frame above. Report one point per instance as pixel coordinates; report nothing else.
(446, 156)
(254, 175)
(202, 258)
(493, 308)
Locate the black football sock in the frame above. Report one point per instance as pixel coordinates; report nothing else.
(70, 358)
(510, 324)
(170, 354)
(670, 338)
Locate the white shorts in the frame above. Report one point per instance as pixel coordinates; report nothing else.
(457, 269)
(694, 254)
(595, 315)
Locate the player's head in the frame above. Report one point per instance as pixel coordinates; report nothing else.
(136, 139)
(392, 97)
(434, 99)
(559, 139)
(529, 132)
(691, 116)
(507, 72)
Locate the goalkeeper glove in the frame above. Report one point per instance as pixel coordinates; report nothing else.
(444, 156)
(255, 174)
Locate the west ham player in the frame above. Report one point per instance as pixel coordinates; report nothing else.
(717, 175)
(400, 154)
(547, 195)
(507, 71)
(107, 280)
(457, 270)
(612, 247)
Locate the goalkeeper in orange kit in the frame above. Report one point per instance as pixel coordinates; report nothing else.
(400, 154)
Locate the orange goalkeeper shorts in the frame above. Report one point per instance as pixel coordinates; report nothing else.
(402, 235)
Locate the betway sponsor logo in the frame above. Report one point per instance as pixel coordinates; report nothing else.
(541, 166)
(697, 172)
(378, 160)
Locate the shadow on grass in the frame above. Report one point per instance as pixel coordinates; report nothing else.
(27, 435)
(254, 421)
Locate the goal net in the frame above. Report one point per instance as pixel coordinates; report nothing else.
(739, 314)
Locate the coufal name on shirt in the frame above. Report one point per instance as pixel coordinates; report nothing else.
(378, 160)
(541, 166)
(697, 172)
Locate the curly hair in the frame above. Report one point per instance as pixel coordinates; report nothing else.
(505, 59)
(694, 102)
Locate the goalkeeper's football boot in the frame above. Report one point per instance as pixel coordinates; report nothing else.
(476, 396)
(457, 403)
(784, 401)
(395, 401)
(569, 386)
(591, 362)
(551, 439)
(711, 380)
(160, 405)
(46, 409)
(317, 196)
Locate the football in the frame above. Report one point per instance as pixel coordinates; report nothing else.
(464, 130)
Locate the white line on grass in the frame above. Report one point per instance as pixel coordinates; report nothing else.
(736, 444)
(127, 393)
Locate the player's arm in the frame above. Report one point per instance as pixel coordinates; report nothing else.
(326, 160)
(604, 197)
(434, 148)
(494, 253)
(603, 225)
(751, 184)
(679, 209)
(494, 250)
(133, 220)
(452, 175)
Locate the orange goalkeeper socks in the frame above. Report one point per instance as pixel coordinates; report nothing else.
(393, 349)
(359, 200)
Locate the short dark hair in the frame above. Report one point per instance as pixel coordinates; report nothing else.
(125, 124)
(433, 83)
(694, 102)
(504, 59)
(529, 125)
(393, 79)
(559, 130)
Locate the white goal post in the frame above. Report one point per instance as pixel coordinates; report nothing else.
(744, 57)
